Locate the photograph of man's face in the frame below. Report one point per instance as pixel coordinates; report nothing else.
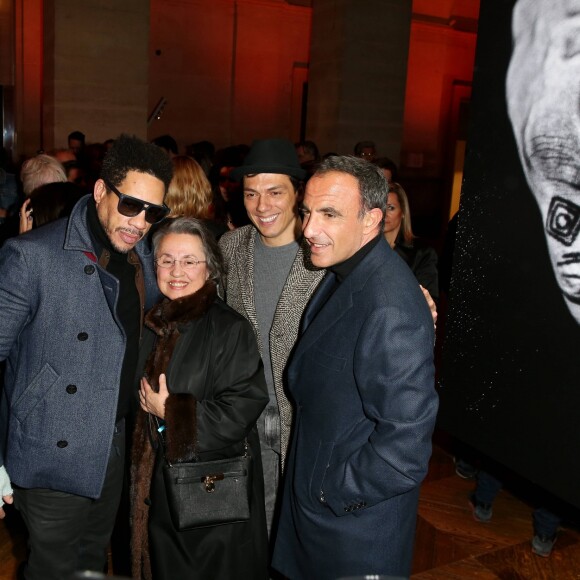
(543, 98)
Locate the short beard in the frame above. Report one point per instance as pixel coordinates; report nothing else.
(117, 248)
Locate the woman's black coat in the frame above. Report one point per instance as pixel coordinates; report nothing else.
(217, 392)
(422, 259)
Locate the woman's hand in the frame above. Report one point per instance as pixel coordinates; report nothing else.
(25, 218)
(151, 401)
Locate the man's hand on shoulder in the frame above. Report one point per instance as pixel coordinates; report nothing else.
(5, 490)
(430, 303)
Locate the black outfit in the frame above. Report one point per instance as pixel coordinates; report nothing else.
(217, 392)
(422, 259)
(128, 305)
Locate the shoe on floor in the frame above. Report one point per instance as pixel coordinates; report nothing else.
(482, 512)
(542, 545)
(464, 470)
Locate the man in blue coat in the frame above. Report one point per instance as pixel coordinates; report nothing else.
(72, 297)
(362, 380)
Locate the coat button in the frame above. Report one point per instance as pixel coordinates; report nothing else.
(62, 444)
(82, 336)
(89, 269)
(71, 389)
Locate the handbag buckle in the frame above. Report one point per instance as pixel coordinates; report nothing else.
(209, 481)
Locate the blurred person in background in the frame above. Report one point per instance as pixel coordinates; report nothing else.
(389, 168)
(190, 194)
(419, 256)
(35, 172)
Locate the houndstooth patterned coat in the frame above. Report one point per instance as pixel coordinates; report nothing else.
(303, 279)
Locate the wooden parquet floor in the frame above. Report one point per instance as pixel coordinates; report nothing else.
(450, 544)
(12, 544)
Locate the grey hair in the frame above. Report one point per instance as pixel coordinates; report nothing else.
(194, 227)
(372, 184)
(40, 170)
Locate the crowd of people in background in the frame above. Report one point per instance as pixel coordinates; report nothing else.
(202, 187)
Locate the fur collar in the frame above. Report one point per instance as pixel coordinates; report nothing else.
(167, 315)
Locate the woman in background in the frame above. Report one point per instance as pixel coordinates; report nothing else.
(420, 257)
(190, 194)
(48, 203)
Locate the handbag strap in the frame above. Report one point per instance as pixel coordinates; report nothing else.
(159, 427)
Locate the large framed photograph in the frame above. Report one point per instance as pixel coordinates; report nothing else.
(510, 376)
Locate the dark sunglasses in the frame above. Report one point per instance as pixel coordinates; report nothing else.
(131, 206)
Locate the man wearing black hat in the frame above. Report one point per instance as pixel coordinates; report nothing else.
(270, 280)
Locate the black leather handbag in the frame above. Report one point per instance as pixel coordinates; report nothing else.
(209, 493)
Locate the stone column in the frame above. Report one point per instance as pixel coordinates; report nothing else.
(95, 70)
(26, 83)
(358, 70)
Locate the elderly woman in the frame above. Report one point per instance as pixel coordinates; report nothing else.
(203, 381)
(420, 257)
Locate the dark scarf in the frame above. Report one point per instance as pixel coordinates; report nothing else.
(165, 319)
(128, 304)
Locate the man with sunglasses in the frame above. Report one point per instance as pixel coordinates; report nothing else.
(72, 297)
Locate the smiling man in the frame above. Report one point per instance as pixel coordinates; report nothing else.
(72, 297)
(269, 281)
(362, 381)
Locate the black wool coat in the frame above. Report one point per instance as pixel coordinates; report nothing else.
(217, 391)
(422, 259)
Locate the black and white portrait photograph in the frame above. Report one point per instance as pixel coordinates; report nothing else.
(510, 379)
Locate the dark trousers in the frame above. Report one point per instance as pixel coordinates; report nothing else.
(546, 523)
(69, 532)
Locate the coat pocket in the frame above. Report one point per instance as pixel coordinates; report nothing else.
(328, 361)
(319, 472)
(35, 392)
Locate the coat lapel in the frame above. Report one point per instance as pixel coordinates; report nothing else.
(319, 298)
(245, 272)
(337, 306)
(298, 288)
(318, 320)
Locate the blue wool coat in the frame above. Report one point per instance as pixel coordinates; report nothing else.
(362, 379)
(64, 347)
